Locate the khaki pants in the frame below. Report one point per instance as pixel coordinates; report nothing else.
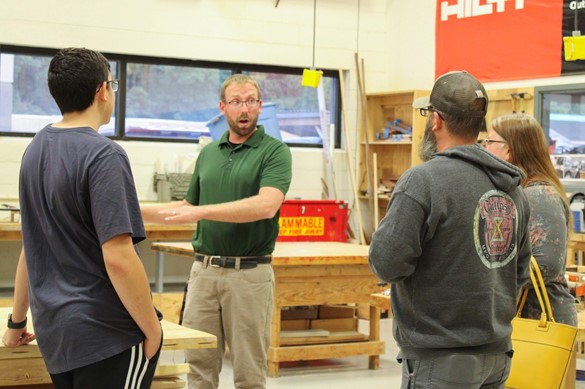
(236, 306)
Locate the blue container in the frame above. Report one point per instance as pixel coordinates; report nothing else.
(576, 221)
(218, 124)
(577, 208)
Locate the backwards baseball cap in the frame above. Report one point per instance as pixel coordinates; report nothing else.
(458, 94)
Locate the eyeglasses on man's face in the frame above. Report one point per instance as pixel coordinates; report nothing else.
(250, 103)
(486, 142)
(427, 111)
(115, 85)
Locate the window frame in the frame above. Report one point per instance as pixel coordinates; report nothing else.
(122, 60)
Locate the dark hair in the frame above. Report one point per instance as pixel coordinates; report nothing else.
(464, 127)
(74, 76)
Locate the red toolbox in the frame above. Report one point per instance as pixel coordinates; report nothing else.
(313, 220)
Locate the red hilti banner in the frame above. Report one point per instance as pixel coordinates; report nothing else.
(497, 40)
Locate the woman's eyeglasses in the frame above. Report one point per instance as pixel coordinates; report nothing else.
(487, 142)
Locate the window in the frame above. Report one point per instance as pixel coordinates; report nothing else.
(560, 110)
(297, 108)
(169, 99)
(25, 102)
(26, 105)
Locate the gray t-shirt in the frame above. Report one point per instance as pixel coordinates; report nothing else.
(76, 192)
(548, 234)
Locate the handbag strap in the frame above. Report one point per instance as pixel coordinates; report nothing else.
(521, 301)
(541, 293)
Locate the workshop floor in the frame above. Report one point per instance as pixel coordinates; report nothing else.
(343, 373)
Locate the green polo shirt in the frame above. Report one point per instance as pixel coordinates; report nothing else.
(223, 174)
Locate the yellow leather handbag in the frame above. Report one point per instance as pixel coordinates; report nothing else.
(542, 348)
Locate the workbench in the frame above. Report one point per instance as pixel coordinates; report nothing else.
(24, 367)
(154, 232)
(316, 273)
(12, 231)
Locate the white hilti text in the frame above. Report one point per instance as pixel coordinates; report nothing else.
(574, 5)
(469, 8)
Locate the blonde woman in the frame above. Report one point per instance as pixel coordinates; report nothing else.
(519, 140)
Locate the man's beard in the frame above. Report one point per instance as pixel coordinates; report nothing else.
(428, 147)
(243, 131)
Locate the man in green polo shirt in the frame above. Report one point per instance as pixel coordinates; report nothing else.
(235, 195)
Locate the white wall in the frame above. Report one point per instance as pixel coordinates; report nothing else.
(395, 39)
(220, 30)
(253, 31)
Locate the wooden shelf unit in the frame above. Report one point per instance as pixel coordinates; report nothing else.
(502, 103)
(394, 158)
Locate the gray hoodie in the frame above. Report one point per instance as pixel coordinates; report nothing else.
(455, 246)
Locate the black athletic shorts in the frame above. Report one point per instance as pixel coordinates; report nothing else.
(128, 370)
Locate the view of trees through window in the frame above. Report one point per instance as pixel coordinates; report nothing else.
(32, 95)
(167, 99)
(25, 101)
(171, 101)
(297, 107)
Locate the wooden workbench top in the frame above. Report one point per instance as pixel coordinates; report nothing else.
(12, 231)
(576, 237)
(9, 226)
(293, 253)
(176, 337)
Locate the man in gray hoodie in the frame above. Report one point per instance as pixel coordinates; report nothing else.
(454, 244)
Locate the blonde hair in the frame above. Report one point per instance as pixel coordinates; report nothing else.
(528, 149)
(238, 79)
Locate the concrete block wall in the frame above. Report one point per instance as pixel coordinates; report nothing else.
(395, 39)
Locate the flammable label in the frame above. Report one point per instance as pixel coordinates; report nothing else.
(302, 226)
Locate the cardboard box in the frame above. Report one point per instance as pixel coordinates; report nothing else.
(294, 325)
(336, 311)
(313, 221)
(335, 325)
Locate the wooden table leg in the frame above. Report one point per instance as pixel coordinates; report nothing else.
(273, 366)
(374, 360)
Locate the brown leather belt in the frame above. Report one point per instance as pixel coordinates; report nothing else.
(233, 262)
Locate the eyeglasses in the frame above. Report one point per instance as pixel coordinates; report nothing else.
(426, 112)
(250, 103)
(487, 142)
(115, 85)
